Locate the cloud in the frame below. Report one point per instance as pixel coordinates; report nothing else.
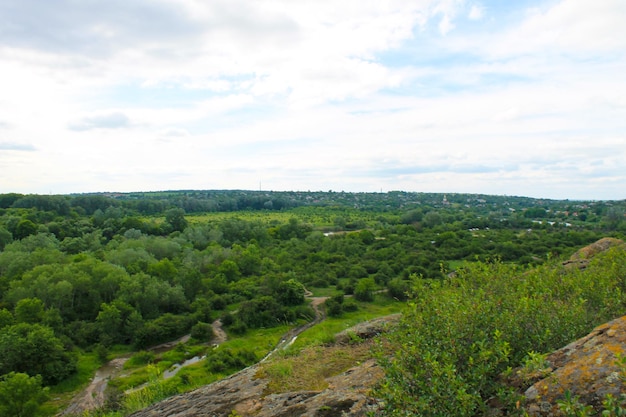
(12, 146)
(459, 94)
(175, 132)
(115, 120)
(92, 28)
(476, 12)
(573, 28)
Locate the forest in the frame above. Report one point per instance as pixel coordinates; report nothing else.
(87, 277)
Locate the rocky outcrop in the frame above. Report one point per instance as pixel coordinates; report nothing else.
(246, 393)
(588, 368)
(582, 257)
(367, 330)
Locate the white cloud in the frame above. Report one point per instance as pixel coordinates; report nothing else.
(570, 27)
(315, 95)
(476, 12)
(114, 120)
(12, 146)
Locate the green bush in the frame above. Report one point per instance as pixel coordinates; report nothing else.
(202, 332)
(461, 333)
(140, 358)
(223, 360)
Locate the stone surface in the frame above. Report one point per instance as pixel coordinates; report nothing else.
(581, 258)
(245, 393)
(586, 368)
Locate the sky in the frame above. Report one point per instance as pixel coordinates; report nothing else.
(524, 97)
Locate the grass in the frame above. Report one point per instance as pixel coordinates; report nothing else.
(260, 341)
(320, 218)
(324, 332)
(63, 393)
(323, 292)
(285, 368)
(286, 373)
(87, 365)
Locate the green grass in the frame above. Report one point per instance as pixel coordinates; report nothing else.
(324, 332)
(260, 341)
(323, 292)
(61, 394)
(87, 365)
(321, 218)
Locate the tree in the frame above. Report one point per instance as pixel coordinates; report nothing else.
(432, 218)
(175, 218)
(29, 310)
(35, 350)
(290, 293)
(25, 228)
(364, 290)
(5, 237)
(21, 395)
(202, 332)
(398, 289)
(6, 318)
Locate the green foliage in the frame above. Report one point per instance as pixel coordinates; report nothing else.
(29, 310)
(24, 229)
(334, 305)
(162, 329)
(225, 360)
(364, 290)
(614, 407)
(154, 391)
(202, 332)
(290, 293)
(459, 334)
(570, 406)
(103, 272)
(140, 358)
(175, 219)
(21, 395)
(398, 288)
(34, 349)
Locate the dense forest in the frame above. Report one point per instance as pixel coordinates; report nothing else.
(93, 274)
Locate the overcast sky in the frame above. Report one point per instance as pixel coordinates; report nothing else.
(524, 97)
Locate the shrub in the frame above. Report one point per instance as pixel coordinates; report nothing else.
(202, 332)
(461, 333)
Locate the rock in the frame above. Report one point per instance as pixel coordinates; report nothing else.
(582, 256)
(245, 393)
(346, 395)
(367, 330)
(586, 368)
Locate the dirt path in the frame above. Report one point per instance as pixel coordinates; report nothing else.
(292, 334)
(218, 332)
(92, 397)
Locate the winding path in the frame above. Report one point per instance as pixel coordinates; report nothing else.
(92, 397)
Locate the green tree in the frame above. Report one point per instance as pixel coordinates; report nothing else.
(398, 289)
(175, 218)
(5, 237)
(21, 395)
(202, 332)
(290, 293)
(364, 290)
(25, 228)
(6, 318)
(29, 310)
(35, 350)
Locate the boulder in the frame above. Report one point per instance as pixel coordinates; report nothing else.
(587, 368)
(581, 257)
